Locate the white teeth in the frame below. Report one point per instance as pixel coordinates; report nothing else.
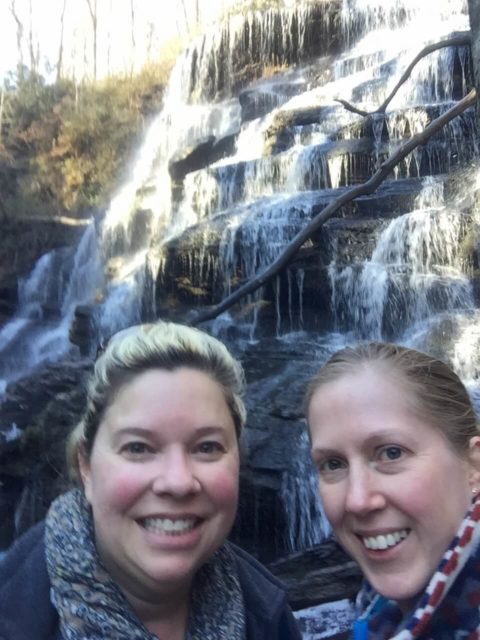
(381, 542)
(385, 541)
(166, 525)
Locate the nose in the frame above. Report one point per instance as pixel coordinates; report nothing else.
(364, 491)
(176, 475)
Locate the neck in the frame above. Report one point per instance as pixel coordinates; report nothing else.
(406, 606)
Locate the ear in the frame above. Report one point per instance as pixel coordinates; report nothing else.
(84, 469)
(474, 462)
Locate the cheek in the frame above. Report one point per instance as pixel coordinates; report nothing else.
(223, 487)
(332, 503)
(115, 490)
(428, 503)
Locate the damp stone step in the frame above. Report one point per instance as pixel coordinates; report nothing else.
(192, 262)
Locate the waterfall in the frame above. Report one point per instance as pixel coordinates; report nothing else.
(264, 38)
(38, 332)
(249, 183)
(199, 103)
(300, 496)
(252, 143)
(414, 273)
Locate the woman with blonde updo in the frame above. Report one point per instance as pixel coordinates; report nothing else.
(139, 550)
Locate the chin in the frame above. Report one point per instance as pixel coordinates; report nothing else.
(404, 597)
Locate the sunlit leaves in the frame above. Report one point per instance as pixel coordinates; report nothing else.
(66, 143)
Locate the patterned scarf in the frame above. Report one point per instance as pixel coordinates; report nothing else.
(91, 605)
(450, 605)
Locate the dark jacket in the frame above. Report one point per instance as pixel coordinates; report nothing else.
(26, 612)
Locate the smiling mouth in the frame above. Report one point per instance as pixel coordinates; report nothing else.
(386, 541)
(169, 526)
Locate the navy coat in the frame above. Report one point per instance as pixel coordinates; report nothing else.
(26, 612)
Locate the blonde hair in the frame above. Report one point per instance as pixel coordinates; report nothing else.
(163, 345)
(438, 393)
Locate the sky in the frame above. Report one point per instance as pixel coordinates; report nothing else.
(156, 21)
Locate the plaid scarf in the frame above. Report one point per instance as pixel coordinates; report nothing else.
(91, 605)
(450, 605)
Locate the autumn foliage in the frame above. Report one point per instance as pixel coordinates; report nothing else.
(63, 146)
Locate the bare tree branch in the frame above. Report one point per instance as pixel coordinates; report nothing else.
(60, 46)
(132, 35)
(2, 103)
(93, 14)
(461, 39)
(350, 107)
(19, 24)
(187, 25)
(366, 188)
(34, 57)
(151, 30)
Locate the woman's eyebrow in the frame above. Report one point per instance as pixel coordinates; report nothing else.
(132, 431)
(317, 452)
(210, 429)
(146, 433)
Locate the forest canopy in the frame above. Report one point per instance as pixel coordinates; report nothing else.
(68, 131)
(63, 145)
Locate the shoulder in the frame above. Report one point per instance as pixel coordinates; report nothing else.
(251, 570)
(28, 548)
(26, 612)
(268, 613)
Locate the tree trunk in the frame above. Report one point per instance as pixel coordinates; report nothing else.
(92, 7)
(185, 13)
(2, 103)
(31, 44)
(132, 32)
(151, 31)
(20, 68)
(60, 46)
(474, 11)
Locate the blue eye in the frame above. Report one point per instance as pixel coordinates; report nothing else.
(210, 447)
(391, 453)
(136, 448)
(331, 464)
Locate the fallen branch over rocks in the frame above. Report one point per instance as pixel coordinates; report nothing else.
(366, 188)
(459, 40)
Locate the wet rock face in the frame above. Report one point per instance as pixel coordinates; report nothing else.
(318, 575)
(83, 330)
(197, 157)
(193, 270)
(276, 464)
(225, 62)
(22, 242)
(474, 13)
(37, 414)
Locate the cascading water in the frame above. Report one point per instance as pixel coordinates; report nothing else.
(415, 272)
(38, 332)
(415, 277)
(303, 532)
(272, 159)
